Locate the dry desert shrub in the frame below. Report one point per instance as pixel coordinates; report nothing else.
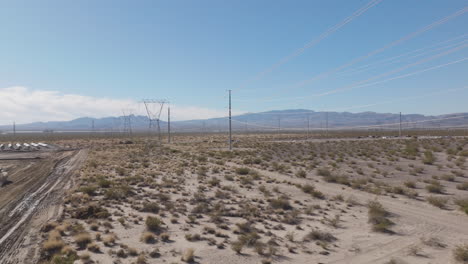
(460, 253)
(378, 217)
(83, 239)
(154, 224)
(141, 259)
(109, 240)
(429, 158)
(54, 243)
(319, 235)
(463, 204)
(463, 186)
(93, 247)
(148, 238)
(189, 255)
(440, 202)
(150, 207)
(410, 184)
(281, 203)
(435, 187)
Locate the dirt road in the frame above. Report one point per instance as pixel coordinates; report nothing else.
(33, 197)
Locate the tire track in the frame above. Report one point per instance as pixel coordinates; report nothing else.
(32, 205)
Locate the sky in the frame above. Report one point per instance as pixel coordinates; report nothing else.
(63, 59)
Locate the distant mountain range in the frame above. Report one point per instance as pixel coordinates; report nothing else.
(286, 119)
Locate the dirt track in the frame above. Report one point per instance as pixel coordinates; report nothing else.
(31, 199)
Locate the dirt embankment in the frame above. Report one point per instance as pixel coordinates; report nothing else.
(33, 197)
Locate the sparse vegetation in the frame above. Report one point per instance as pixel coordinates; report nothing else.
(378, 217)
(460, 253)
(263, 198)
(437, 201)
(154, 224)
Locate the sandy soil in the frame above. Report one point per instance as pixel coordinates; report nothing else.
(37, 184)
(272, 196)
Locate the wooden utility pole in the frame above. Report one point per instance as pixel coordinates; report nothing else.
(230, 123)
(279, 125)
(168, 124)
(399, 129)
(326, 123)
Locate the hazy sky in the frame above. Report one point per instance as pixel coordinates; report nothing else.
(64, 59)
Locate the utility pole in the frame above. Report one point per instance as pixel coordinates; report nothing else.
(399, 129)
(279, 125)
(14, 128)
(168, 124)
(326, 123)
(230, 123)
(308, 125)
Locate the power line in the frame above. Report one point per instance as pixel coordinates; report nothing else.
(364, 83)
(230, 123)
(374, 83)
(406, 53)
(393, 61)
(380, 50)
(402, 99)
(440, 92)
(312, 43)
(392, 44)
(168, 124)
(359, 127)
(394, 71)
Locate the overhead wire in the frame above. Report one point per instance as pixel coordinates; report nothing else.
(380, 50)
(397, 61)
(400, 99)
(355, 85)
(403, 54)
(361, 84)
(440, 92)
(392, 44)
(354, 127)
(311, 43)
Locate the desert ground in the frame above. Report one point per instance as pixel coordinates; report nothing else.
(275, 198)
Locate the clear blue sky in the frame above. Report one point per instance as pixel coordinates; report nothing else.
(191, 52)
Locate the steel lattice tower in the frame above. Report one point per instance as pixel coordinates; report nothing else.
(127, 124)
(153, 110)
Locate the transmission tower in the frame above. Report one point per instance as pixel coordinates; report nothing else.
(127, 124)
(153, 110)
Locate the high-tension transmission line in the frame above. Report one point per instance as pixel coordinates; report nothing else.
(354, 127)
(392, 44)
(364, 83)
(357, 84)
(311, 43)
(374, 52)
(394, 61)
(418, 52)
